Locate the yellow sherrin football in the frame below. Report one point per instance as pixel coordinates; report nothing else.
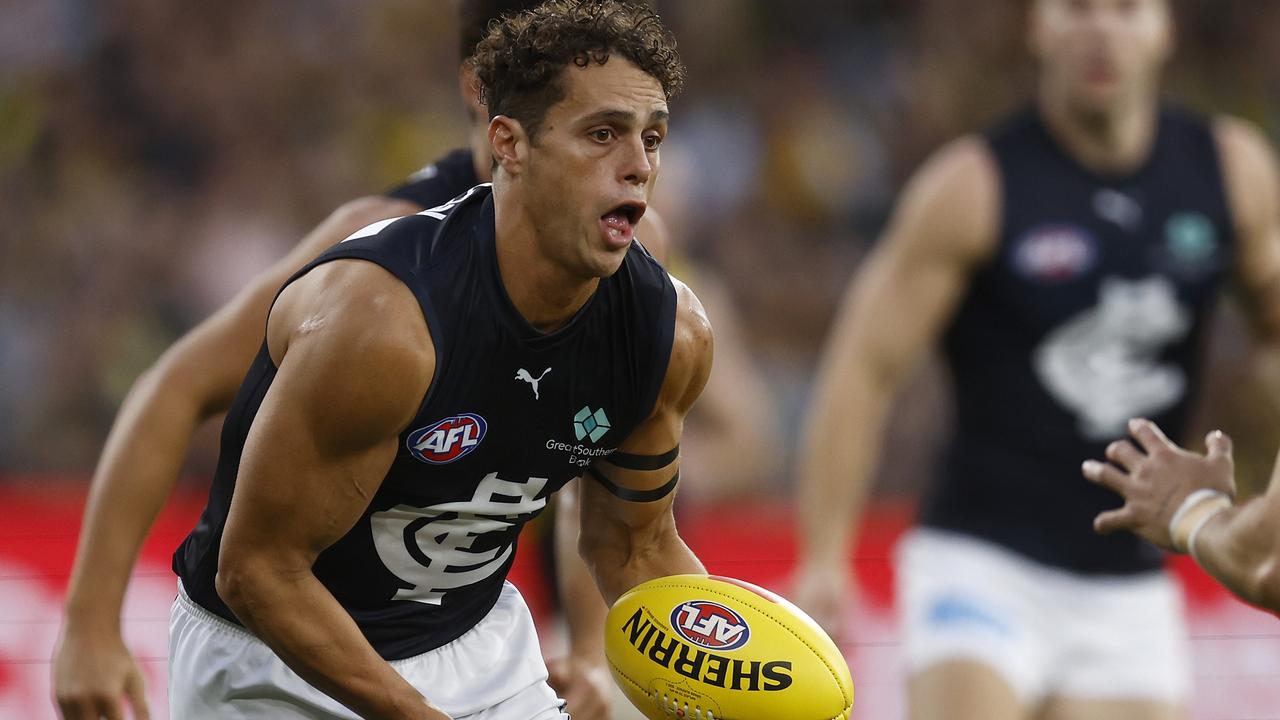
(714, 648)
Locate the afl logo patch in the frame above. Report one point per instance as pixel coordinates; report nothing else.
(1054, 253)
(450, 439)
(710, 625)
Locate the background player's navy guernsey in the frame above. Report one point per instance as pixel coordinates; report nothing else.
(512, 415)
(439, 182)
(1092, 311)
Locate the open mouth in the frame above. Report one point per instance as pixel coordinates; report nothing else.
(620, 222)
(629, 211)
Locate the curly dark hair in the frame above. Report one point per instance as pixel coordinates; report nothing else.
(474, 17)
(520, 62)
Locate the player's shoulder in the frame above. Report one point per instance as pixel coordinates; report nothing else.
(354, 308)
(1240, 139)
(692, 349)
(1249, 169)
(354, 329)
(961, 166)
(955, 196)
(691, 317)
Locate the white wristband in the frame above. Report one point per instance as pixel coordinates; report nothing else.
(1193, 513)
(1195, 531)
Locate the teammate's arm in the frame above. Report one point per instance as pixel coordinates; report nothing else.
(1253, 188)
(581, 677)
(895, 309)
(628, 530)
(320, 445)
(1181, 501)
(193, 381)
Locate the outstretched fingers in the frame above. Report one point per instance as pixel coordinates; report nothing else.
(1149, 436)
(1124, 454)
(1114, 520)
(1108, 476)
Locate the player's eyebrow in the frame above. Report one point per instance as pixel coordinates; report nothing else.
(624, 118)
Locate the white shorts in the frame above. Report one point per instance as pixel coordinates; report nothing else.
(493, 672)
(1048, 632)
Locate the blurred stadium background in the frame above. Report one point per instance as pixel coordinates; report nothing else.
(155, 155)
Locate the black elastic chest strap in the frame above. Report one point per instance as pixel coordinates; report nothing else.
(635, 495)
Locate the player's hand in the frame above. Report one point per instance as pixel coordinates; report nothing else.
(1154, 476)
(96, 676)
(826, 594)
(584, 686)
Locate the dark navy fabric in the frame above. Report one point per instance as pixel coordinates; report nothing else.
(511, 416)
(1093, 310)
(439, 182)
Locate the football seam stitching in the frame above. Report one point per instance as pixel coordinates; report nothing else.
(847, 700)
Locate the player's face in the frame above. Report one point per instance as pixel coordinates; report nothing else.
(1101, 52)
(593, 166)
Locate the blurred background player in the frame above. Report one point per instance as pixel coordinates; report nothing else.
(1067, 262)
(1183, 502)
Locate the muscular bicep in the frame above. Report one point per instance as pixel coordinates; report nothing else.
(914, 279)
(354, 360)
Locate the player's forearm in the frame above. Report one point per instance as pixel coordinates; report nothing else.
(840, 450)
(584, 609)
(298, 618)
(623, 561)
(139, 467)
(1240, 547)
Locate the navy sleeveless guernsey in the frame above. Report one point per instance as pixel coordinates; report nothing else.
(439, 182)
(512, 414)
(1092, 311)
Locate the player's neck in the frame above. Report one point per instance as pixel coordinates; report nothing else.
(544, 293)
(1113, 142)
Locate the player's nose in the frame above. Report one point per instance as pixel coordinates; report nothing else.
(637, 164)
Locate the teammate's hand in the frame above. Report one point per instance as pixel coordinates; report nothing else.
(94, 676)
(584, 686)
(1154, 477)
(826, 594)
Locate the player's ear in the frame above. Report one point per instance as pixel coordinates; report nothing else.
(509, 144)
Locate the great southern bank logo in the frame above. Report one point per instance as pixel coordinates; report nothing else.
(588, 424)
(448, 439)
(710, 625)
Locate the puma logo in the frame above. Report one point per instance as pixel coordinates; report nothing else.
(524, 375)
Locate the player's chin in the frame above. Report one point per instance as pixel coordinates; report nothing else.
(604, 262)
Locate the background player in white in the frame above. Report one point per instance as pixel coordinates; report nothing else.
(1100, 63)
(1184, 502)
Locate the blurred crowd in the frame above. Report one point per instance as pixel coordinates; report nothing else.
(155, 155)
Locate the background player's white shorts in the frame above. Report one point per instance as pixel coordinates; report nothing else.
(493, 672)
(1048, 632)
